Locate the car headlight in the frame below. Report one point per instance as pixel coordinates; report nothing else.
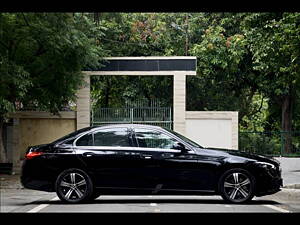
(266, 165)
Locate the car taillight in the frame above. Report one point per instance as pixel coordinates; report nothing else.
(31, 155)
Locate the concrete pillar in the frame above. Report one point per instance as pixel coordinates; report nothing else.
(83, 105)
(16, 146)
(235, 130)
(179, 92)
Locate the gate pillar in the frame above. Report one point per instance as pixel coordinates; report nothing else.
(177, 66)
(179, 91)
(83, 104)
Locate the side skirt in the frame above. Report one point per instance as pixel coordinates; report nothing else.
(150, 191)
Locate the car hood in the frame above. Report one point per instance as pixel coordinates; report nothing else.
(221, 152)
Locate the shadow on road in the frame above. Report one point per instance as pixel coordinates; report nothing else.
(153, 200)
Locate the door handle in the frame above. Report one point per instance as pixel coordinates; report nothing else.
(167, 155)
(146, 156)
(88, 154)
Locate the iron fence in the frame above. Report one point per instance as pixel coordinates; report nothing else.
(159, 116)
(272, 143)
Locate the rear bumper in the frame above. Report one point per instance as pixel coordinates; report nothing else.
(33, 179)
(36, 184)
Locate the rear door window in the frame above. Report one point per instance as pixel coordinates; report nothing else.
(118, 137)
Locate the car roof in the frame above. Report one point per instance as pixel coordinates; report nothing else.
(94, 128)
(127, 125)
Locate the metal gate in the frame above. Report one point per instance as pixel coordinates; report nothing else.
(159, 116)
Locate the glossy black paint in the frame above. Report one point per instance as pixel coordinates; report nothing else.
(135, 170)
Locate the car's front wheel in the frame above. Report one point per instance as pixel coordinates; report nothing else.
(237, 186)
(74, 186)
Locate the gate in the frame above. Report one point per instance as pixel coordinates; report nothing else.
(159, 116)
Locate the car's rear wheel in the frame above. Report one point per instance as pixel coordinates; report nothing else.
(237, 186)
(74, 186)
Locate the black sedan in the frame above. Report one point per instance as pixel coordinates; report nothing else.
(143, 159)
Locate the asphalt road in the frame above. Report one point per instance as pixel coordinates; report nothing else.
(29, 201)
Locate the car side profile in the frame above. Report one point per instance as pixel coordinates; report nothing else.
(142, 159)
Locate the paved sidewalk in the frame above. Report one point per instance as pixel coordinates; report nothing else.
(290, 171)
(10, 181)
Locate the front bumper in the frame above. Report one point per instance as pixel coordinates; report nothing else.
(269, 182)
(271, 187)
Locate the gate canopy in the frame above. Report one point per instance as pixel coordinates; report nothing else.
(176, 66)
(149, 64)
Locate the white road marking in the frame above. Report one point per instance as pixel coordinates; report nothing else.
(277, 208)
(153, 204)
(41, 206)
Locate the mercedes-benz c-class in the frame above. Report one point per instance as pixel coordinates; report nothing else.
(142, 159)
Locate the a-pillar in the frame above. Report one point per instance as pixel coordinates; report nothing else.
(83, 104)
(179, 104)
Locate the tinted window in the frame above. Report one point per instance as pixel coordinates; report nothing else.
(192, 143)
(70, 141)
(85, 140)
(153, 139)
(112, 137)
(73, 134)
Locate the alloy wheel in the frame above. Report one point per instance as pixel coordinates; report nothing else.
(237, 187)
(74, 186)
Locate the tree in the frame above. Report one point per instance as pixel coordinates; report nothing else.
(274, 40)
(41, 58)
(225, 79)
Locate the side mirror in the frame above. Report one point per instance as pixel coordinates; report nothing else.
(179, 146)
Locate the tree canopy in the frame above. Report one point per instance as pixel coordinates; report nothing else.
(41, 58)
(247, 62)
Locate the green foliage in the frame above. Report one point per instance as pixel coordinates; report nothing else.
(247, 62)
(13, 84)
(42, 55)
(260, 143)
(275, 46)
(117, 91)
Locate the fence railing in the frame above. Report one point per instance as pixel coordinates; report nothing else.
(159, 116)
(272, 143)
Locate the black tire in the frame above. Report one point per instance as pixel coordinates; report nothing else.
(74, 186)
(237, 186)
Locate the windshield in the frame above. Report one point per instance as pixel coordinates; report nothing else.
(192, 143)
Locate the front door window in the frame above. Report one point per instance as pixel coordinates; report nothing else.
(154, 139)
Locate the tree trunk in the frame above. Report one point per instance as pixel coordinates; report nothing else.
(3, 156)
(286, 122)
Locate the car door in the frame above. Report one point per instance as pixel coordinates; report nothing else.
(112, 159)
(172, 169)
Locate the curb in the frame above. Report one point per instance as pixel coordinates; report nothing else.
(292, 186)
